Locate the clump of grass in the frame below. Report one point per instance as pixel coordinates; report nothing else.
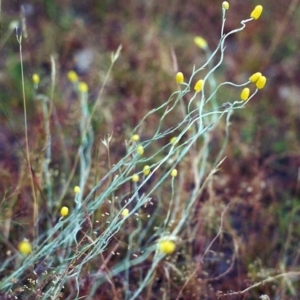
(135, 228)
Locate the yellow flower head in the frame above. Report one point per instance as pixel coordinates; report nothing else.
(179, 78)
(200, 42)
(135, 177)
(198, 86)
(174, 140)
(174, 173)
(64, 211)
(135, 138)
(125, 212)
(225, 5)
(253, 78)
(72, 76)
(261, 82)
(245, 94)
(256, 12)
(140, 150)
(146, 170)
(24, 247)
(166, 247)
(76, 189)
(36, 78)
(83, 87)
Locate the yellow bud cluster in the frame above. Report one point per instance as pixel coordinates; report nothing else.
(179, 78)
(135, 177)
(64, 211)
(76, 189)
(261, 82)
(140, 150)
(258, 79)
(135, 138)
(245, 94)
(174, 173)
(198, 86)
(83, 87)
(200, 42)
(24, 247)
(72, 76)
(36, 78)
(225, 5)
(174, 140)
(166, 247)
(255, 14)
(125, 212)
(253, 78)
(146, 170)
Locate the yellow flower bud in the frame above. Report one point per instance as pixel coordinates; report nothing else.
(261, 82)
(245, 94)
(255, 77)
(36, 78)
(166, 247)
(146, 170)
(135, 177)
(24, 247)
(174, 140)
(76, 189)
(64, 211)
(225, 5)
(125, 212)
(200, 42)
(135, 138)
(198, 86)
(140, 150)
(174, 173)
(256, 12)
(72, 76)
(179, 78)
(83, 87)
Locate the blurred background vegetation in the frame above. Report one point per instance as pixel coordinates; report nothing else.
(261, 174)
